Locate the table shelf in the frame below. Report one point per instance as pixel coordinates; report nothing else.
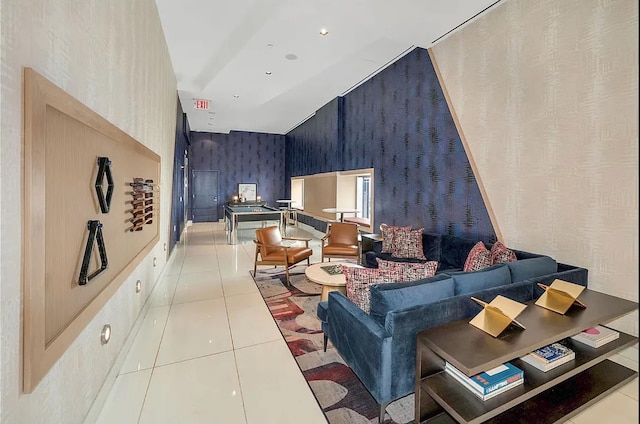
(567, 389)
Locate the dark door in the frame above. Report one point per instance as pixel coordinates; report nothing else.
(204, 186)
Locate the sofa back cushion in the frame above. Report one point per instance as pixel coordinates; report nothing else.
(454, 251)
(471, 282)
(431, 246)
(395, 296)
(524, 269)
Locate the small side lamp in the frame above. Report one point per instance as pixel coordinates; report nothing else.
(258, 198)
(235, 199)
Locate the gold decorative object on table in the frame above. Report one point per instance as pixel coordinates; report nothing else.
(497, 315)
(560, 296)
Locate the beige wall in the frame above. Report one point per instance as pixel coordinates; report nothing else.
(112, 56)
(546, 93)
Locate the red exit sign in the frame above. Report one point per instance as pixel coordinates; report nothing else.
(201, 104)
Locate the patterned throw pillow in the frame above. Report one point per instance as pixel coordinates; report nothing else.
(408, 244)
(501, 254)
(388, 236)
(479, 258)
(411, 271)
(359, 279)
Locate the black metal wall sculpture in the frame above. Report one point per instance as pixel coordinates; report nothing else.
(104, 170)
(95, 235)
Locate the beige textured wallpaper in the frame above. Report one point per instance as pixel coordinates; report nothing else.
(111, 56)
(546, 93)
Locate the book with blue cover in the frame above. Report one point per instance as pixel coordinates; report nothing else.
(549, 357)
(552, 352)
(491, 380)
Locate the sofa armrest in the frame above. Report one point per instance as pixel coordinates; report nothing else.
(570, 273)
(363, 343)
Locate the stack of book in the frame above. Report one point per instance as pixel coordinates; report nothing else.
(548, 357)
(596, 336)
(489, 383)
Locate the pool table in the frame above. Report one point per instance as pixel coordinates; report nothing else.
(234, 214)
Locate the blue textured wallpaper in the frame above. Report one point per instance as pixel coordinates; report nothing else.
(177, 189)
(241, 157)
(398, 123)
(316, 143)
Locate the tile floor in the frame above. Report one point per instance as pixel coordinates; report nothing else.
(208, 350)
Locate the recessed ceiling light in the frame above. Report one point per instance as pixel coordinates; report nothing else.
(324, 31)
(269, 45)
(236, 96)
(268, 72)
(212, 113)
(291, 56)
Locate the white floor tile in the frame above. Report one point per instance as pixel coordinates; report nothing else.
(193, 264)
(163, 292)
(198, 286)
(616, 408)
(631, 389)
(193, 330)
(265, 387)
(250, 320)
(203, 390)
(143, 351)
(240, 284)
(124, 403)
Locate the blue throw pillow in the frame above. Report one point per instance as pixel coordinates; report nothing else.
(471, 282)
(395, 296)
(529, 268)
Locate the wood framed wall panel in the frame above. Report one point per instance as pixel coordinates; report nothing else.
(62, 142)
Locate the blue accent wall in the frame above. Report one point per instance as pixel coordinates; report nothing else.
(398, 123)
(178, 202)
(241, 157)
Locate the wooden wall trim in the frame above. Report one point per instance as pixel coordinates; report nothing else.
(62, 141)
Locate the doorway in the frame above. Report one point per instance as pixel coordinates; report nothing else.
(204, 185)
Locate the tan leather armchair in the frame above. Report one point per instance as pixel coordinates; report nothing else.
(271, 251)
(341, 241)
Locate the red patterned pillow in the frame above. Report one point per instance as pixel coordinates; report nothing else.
(408, 244)
(411, 271)
(501, 254)
(359, 279)
(388, 236)
(479, 258)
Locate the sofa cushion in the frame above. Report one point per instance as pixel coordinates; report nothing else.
(454, 251)
(412, 271)
(501, 254)
(479, 258)
(388, 235)
(431, 246)
(396, 296)
(407, 243)
(470, 282)
(358, 281)
(533, 267)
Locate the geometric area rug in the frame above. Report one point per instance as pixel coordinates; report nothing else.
(339, 392)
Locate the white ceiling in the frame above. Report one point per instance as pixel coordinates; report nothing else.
(221, 49)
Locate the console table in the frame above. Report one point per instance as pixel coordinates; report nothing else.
(545, 397)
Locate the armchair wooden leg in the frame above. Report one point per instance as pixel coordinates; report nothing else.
(286, 270)
(325, 339)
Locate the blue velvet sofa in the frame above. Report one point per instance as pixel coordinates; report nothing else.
(380, 347)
